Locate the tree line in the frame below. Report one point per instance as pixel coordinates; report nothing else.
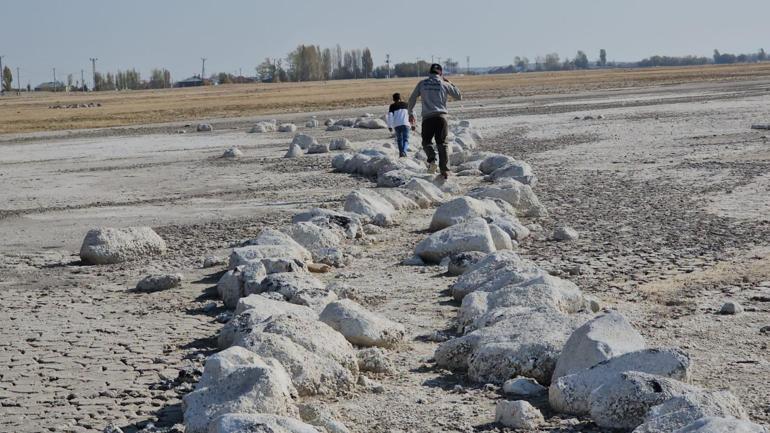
(312, 63)
(132, 80)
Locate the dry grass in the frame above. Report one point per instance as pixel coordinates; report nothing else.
(752, 267)
(28, 113)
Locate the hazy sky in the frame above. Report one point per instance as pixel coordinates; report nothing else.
(37, 35)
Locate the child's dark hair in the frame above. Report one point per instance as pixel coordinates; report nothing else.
(396, 97)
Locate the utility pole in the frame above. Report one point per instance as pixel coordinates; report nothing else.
(93, 71)
(203, 67)
(467, 65)
(432, 60)
(18, 81)
(387, 62)
(54, 79)
(82, 81)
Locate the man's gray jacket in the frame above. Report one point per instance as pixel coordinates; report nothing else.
(434, 92)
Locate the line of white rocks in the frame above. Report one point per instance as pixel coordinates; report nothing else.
(292, 337)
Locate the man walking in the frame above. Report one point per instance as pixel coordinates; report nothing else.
(434, 92)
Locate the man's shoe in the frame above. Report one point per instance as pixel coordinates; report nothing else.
(445, 175)
(432, 168)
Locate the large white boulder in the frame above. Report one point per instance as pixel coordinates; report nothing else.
(371, 123)
(462, 209)
(360, 326)
(518, 171)
(318, 148)
(601, 338)
(721, 425)
(493, 162)
(623, 401)
(287, 127)
(394, 178)
(571, 394)
(371, 206)
(510, 225)
(258, 387)
(318, 359)
(527, 345)
(108, 245)
(269, 244)
(494, 272)
(518, 195)
(680, 412)
(314, 238)
(241, 281)
(500, 238)
(431, 192)
(340, 161)
(258, 423)
(289, 284)
(400, 199)
(262, 127)
(472, 235)
(340, 143)
(255, 309)
(349, 223)
(542, 292)
(294, 151)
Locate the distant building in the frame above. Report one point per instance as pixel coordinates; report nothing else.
(192, 82)
(51, 86)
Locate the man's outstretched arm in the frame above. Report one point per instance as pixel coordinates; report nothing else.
(413, 99)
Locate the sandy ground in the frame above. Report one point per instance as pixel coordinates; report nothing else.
(670, 192)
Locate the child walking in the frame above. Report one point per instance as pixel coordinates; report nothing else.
(398, 119)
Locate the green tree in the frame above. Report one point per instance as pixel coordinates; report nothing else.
(581, 60)
(602, 57)
(367, 63)
(552, 62)
(761, 55)
(7, 79)
(521, 63)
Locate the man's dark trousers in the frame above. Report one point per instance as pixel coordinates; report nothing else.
(435, 128)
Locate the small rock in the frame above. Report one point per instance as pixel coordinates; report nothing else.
(564, 233)
(211, 261)
(211, 306)
(413, 261)
(232, 152)
(730, 308)
(204, 127)
(518, 414)
(224, 317)
(371, 385)
(157, 283)
(374, 360)
(524, 387)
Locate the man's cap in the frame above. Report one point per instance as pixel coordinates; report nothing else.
(436, 68)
